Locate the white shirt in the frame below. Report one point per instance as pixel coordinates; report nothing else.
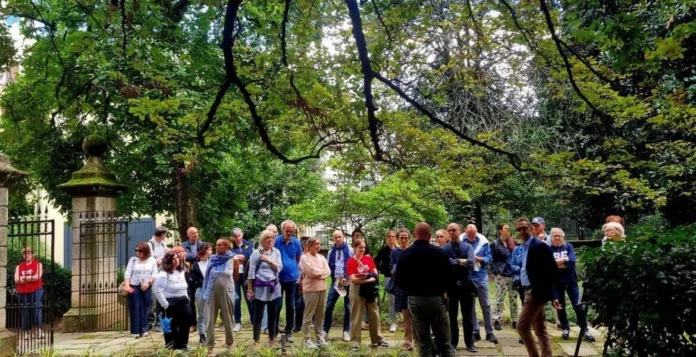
(139, 271)
(170, 286)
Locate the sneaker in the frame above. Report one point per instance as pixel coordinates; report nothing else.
(158, 328)
(491, 338)
(477, 336)
(521, 341)
(383, 344)
(202, 339)
(237, 327)
(288, 338)
(297, 330)
(321, 342)
(135, 335)
(514, 325)
(144, 334)
(355, 349)
(392, 328)
(496, 325)
(265, 331)
(310, 344)
(588, 337)
(566, 334)
(472, 349)
(346, 336)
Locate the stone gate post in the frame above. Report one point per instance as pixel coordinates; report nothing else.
(8, 176)
(94, 191)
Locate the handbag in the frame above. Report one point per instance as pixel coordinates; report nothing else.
(122, 289)
(390, 286)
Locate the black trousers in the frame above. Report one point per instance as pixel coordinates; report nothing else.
(179, 310)
(272, 309)
(462, 298)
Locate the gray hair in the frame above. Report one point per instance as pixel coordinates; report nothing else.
(560, 231)
(236, 232)
(616, 226)
(286, 222)
(266, 234)
(161, 230)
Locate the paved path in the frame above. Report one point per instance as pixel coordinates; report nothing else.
(122, 344)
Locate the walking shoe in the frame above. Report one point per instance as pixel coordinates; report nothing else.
(514, 325)
(383, 344)
(321, 342)
(355, 349)
(588, 337)
(265, 331)
(346, 336)
(521, 341)
(496, 325)
(472, 349)
(202, 339)
(491, 338)
(158, 328)
(297, 329)
(566, 334)
(136, 335)
(288, 337)
(477, 337)
(144, 334)
(392, 328)
(237, 327)
(310, 344)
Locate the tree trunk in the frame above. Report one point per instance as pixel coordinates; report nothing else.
(185, 209)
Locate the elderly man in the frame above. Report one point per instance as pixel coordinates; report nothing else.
(218, 291)
(192, 244)
(290, 250)
(482, 258)
(338, 256)
(539, 227)
(462, 290)
(158, 249)
(242, 249)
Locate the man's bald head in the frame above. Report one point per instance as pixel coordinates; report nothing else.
(422, 231)
(272, 228)
(454, 231)
(192, 234)
(471, 231)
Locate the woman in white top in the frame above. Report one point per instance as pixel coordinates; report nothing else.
(140, 274)
(171, 291)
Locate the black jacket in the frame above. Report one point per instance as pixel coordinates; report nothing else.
(542, 271)
(196, 277)
(383, 261)
(424, 270)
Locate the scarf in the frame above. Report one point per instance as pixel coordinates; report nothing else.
(216, 265)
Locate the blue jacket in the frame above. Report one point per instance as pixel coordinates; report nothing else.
(515, 261)
(485, 252)
(190, 257)
(542, 271)
(500, 255)
(332, 258)
(245, 249)
(568, 274)
(289, 254)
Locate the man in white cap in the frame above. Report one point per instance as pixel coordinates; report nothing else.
(540, 230)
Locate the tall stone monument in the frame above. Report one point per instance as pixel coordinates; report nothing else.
(8, 176)
(94, 247)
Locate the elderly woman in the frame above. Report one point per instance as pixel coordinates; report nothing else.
(263, 284)
(29, 282)
(401, 303)
(362, 273)
(568, 283)
(315, 270)
(613, 231)
(171, 291)
(442, 237)
(218, 291)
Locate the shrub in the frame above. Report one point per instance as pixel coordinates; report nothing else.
(60, 301)
(645, 289)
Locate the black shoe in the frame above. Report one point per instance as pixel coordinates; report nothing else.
(202, 340)
(521, 341)
(491, 338)
(588, 337)
(477, 337)
(566, 334)
(496, 325)
(514, 325)
(472, 349)
(296, 330)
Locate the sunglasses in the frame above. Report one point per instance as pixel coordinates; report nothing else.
(520, 229)
(138, 250)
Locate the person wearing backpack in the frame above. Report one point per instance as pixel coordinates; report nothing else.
(564, 255)
(242, 248)
(501, 248)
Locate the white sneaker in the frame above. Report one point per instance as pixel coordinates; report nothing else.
(346, 337)
(144, 334)
(237, 327)
(310, 344)
(321, 342)
(392, 328)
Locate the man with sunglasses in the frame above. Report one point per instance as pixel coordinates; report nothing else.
(538, 277)
(462, 290)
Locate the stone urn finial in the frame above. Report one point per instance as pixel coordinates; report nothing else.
(8, 174)
(93, 179)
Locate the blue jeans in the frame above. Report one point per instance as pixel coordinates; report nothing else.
(482, 287)
(289, 289)
(240, 289)
(31, 302)
(331, 303)
(299, 313)
(574, 295)
(202, 315)
(139, 303)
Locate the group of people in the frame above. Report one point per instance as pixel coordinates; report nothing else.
(427, 284)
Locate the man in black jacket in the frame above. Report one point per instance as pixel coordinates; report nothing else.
(424, 273)
(462, 289)
(538, 276)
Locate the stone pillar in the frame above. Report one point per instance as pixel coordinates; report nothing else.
(8, 176)
(94, 243)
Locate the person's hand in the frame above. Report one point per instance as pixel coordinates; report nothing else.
(557, 305)
(478, 259)
(159, 261)
(144, 286)
(264, 259)
(371, 280)
(130, 290)
(250, 295)
(462, 261)
(241, 258)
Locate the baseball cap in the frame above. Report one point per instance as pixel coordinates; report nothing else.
(538, 220)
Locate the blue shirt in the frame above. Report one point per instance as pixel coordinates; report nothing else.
(524, 279)
(289, 253)
(485, 253)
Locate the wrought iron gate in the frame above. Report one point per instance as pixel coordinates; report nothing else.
(102, 235)
(31, 294)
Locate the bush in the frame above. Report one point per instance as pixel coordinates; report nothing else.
(60, 301)
(645, 289)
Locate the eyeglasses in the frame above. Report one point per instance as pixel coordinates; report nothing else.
(452, 230)
(520, 229)
(138, 250)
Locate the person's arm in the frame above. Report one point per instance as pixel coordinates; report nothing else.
(470, 257)
(570, 261)
(235, 270)
(129, 272)
(486, 255)
(160, 285)
(512, 261)
(16, 275)
(325, 265)
(190, 257)
(393, 260)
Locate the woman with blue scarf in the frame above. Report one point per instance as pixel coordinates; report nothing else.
(218, 291)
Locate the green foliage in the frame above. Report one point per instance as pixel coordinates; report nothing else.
(644, 289)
